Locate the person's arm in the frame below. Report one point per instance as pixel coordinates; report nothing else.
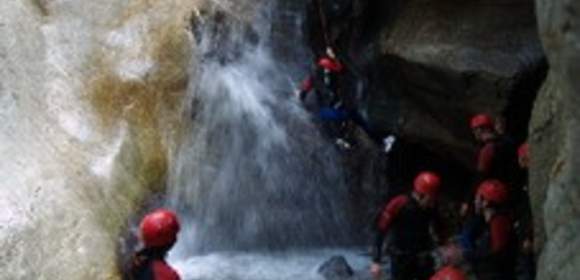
(385, 220)
(378, 246)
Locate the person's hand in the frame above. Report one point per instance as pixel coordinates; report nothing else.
(388, 143)
(376, 271)
(330, 52)
(297, 93)
(451, 254)
(464, 210)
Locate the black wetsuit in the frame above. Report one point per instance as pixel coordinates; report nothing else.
(411, 241)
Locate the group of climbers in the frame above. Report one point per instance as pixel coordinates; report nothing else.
(495, 239)
(496, 236)
(496, 216)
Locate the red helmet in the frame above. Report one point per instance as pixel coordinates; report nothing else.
(427, 183)
(482, 120)
(493, 190)
(159, 228)
(523, 150)
(330, 64)
(449, 273)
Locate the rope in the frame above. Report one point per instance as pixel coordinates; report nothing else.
(323, 23)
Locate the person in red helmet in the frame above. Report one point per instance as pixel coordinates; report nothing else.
(335, 109)
(495, 156)
(449, 273)
(492, 250)
(524, 155)
(408, 218)
(526, 268)
(158, 233)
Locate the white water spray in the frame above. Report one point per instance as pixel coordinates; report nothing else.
(254, 175)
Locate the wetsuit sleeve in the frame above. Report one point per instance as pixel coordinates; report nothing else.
(337, 66)
(439, 228)
(484, 163)
(500, 232)
(485, 158)
(162, 271)
(386, 218)
(306, 87)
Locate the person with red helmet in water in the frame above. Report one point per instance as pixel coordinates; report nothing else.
(449, 273)
(158, 233)
(491, 247)
(408, 218)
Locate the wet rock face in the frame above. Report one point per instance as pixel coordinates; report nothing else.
(554, 134)
(431, 65)
(92, 96)
(444, 61)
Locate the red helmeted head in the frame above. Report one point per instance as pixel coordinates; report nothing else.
(427, 183)
(330, 64)
(449, 273)
(523, 150)
(159, 228)
(524, 155)
(482, 121)
(493, 191)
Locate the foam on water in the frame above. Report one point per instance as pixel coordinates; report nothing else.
(289, 265)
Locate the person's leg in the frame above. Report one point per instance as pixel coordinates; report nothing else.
(358, 119)
(330, 121)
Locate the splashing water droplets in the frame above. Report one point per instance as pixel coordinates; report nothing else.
(254, 174)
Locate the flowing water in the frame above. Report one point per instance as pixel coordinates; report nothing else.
(287, 265)
(259, 189)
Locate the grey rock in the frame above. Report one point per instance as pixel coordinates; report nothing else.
(447, 60)
(336, 268)
(554, 133)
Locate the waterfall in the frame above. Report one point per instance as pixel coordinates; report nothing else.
(254, 173)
